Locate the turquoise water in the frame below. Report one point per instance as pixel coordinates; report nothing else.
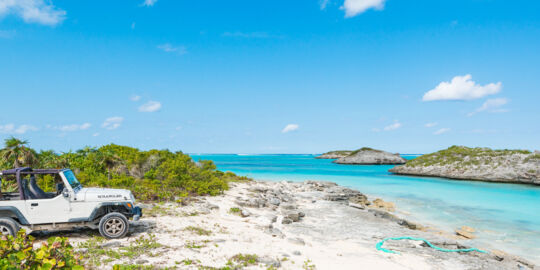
(507, 216)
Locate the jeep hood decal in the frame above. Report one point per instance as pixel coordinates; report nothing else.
(103, 195)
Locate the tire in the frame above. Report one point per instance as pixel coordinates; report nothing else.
(8, 227)
(113, 225)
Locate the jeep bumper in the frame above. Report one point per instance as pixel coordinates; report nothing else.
(136, 212)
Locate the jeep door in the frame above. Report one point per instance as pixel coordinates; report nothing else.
(54, 210)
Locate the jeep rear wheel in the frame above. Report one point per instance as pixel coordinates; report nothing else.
(113, 225)
(8, 227)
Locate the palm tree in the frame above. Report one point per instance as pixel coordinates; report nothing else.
(18, 153)
(49, 159)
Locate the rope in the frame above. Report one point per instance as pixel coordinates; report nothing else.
(379, 245)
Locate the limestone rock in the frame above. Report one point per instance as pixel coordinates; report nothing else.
(368, 156)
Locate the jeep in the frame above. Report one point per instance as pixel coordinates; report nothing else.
(25, 205)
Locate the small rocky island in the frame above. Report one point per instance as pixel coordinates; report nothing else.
(364, 156)
(334, 154)
(482, 164)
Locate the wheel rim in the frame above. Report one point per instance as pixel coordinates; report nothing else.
(114, 227)
(4, 230)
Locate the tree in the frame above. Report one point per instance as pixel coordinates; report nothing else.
(18, 153)
(49, 159)
(108, 159)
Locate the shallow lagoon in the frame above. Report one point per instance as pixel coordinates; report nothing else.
(507, 216)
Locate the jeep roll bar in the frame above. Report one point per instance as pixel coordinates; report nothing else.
(27, 171)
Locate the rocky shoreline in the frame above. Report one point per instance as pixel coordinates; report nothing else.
(480, 164)
(282, 225)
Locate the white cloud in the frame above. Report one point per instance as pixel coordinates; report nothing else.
(135, 98)
(441, 131)
(74, 127)
(148, 3)
(33, 11)
(167, 47)
(428, 125)
(393, 126)
(150, 106)
(323, 4)
(250, 35)
(491, 105)
(95, 134)
(355, 7)
(12, 129)
(461, 88)
(112, 122)
(290, 127)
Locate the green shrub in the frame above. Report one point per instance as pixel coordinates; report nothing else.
(159, 175)
(19, 253)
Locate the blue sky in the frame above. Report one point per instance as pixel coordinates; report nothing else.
(271, 76)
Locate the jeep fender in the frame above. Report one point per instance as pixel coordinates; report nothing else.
(13, 212)
(106, 205)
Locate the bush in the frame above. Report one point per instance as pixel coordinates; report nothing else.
(150, 175)
(19, 253)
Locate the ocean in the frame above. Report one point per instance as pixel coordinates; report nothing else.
(506, 216)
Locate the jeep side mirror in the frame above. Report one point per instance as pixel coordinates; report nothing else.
(65, 192)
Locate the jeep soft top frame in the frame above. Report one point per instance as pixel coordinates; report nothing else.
(27, 171)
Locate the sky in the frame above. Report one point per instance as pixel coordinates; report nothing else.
(304, 76)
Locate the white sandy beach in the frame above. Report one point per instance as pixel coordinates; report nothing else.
(331, 235)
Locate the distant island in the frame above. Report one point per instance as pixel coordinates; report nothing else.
(364, 156)
(335, 154)
(482, 164)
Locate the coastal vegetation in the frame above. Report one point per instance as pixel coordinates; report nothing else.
(19, 253)
(160, 175)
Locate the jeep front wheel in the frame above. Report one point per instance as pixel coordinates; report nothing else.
(113, 225)
(8, 227)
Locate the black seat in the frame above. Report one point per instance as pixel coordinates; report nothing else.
(34, 189)
(26, 192)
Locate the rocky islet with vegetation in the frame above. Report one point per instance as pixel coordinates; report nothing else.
(482, 164)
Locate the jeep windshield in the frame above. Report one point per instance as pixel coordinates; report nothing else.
(72, 180)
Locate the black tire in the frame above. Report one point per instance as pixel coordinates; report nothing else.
(113, 225)
(8, 226)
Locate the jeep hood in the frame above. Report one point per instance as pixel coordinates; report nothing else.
(104, 195)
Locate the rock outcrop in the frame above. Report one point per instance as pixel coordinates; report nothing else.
(334, 154)
(481, 164)
(368, 156)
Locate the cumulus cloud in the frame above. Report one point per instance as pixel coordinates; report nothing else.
(135, 98)
(491, 105)
(169, 48)
(112, 122)
(461, 88)
(74, 127)
(150, 106)
(148, 3)
(290, 127)
(393, 126)
(12, 129)
(355, 7)
(428, 125)
(441, 131)
(33, 11)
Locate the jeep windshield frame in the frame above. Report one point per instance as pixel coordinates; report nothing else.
(72, 180)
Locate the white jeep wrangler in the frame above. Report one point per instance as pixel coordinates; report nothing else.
(27, 206)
